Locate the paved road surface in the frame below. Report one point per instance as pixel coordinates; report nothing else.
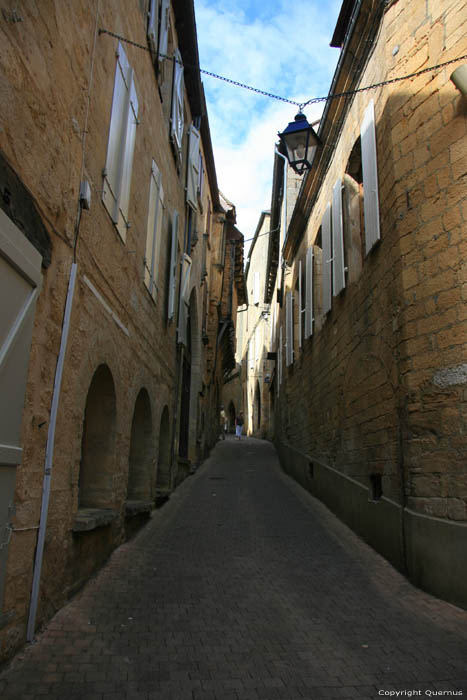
(244, 587)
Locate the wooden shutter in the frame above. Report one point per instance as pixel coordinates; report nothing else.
(288, 329)
(309, 293)
(177, 120)
(193, 168)
(173, 267)
(370, 179)
(327, 259)
(338, 272)
(184, 299)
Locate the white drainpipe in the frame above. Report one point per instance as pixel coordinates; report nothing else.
(49, 456)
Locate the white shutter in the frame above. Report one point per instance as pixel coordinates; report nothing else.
(338, 272)
(327, 259)
(153, 25)
(177, 121)
(288, 329)
(256, 288)
(300, 304)
(121, 144)
(154, 231)
(193, 168)
(184, 299)
(173, 267)
(370, 178)
(20, 283)
(164, 29)
(309, 293)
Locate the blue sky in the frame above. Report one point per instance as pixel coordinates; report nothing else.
(276, 46)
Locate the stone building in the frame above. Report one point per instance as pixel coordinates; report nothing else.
(371, 341)
(254, 332)
(109, 206)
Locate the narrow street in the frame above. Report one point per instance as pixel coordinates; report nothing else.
(242, 587)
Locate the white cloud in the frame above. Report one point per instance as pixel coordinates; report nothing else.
(276, 47)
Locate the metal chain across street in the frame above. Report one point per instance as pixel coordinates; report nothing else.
(300, 105)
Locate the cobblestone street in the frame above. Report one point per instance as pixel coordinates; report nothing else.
(242, 587)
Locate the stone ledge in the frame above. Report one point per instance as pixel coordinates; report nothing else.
(133, 508)
(91, 518)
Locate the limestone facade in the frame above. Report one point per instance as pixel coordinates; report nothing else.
(371, 414)
(107, 175)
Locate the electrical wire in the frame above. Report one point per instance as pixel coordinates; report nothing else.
(300, 105)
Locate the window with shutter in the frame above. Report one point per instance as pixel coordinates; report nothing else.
(154, 232)
(370, 179)
(184, 299)
(327, 260)
(178, 116)
(288, 329)
(309, 293)
(164, 24)
(193, 168)
(173, 267)
(338, 268)
(121, 144)
(153, 26)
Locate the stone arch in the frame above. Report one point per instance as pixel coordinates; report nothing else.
(97, 467)
(163, 480)
(141, 457)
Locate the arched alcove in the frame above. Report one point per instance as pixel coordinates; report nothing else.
(98, 443)
(141, 459)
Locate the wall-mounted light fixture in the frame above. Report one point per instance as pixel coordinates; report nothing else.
(299, 142)
(459, 78)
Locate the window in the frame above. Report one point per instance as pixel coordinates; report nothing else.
(177, 121)
(158, 28)
(154, 232)
(370, 178)
(183, 311)
(121, 145)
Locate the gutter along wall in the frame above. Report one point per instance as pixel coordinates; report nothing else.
(364, 418)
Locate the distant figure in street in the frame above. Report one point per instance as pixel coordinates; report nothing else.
(239, 426)
(223, 422)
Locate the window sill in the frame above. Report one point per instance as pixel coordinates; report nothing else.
(133, 508)
(88, 519)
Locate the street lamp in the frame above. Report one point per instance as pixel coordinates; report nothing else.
(299, 141)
